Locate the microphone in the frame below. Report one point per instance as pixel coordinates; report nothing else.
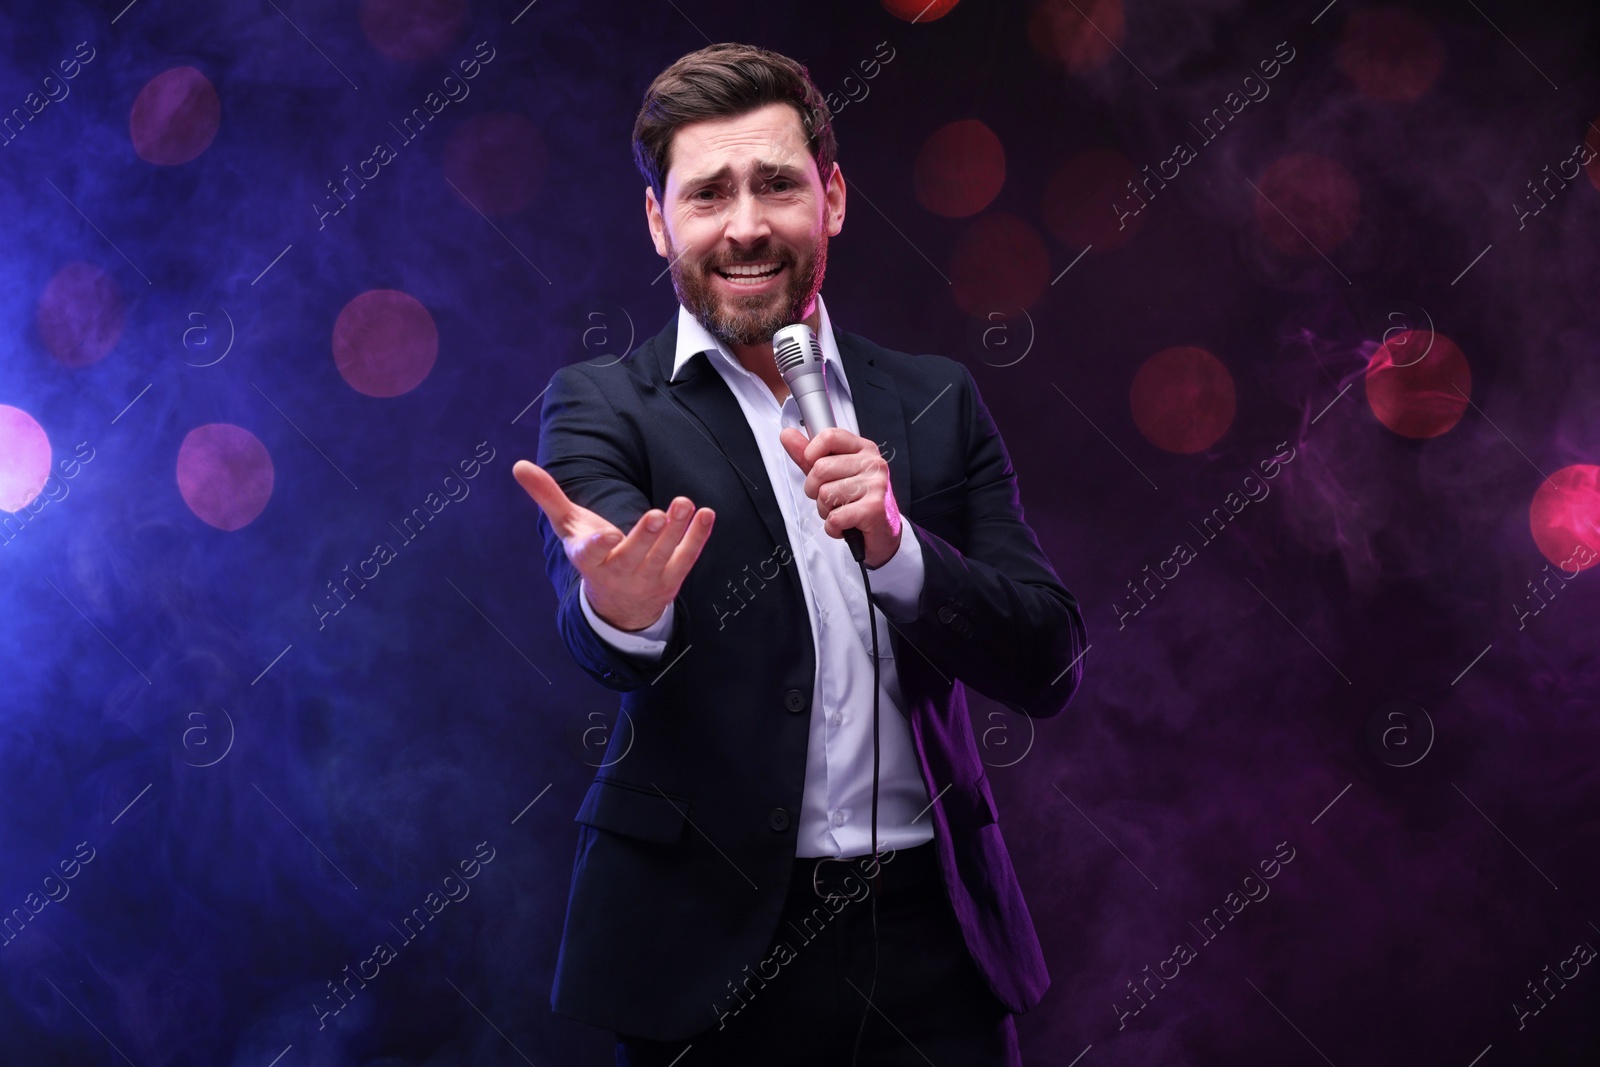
(799, 357)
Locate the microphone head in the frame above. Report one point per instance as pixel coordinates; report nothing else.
(794, 347)
(798, 354)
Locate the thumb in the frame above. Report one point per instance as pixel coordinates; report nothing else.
(794, 442)
(591, 551)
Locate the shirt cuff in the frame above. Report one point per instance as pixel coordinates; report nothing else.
(897, 583)
(649, 642)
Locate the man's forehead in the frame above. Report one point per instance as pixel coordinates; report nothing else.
(755, 141)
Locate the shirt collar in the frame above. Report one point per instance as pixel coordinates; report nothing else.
(693, 338)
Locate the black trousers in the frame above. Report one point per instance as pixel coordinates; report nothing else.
(805, 1001)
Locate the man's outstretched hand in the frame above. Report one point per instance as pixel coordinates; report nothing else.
(630, 579)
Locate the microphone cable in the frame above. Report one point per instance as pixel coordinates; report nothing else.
(858, 549)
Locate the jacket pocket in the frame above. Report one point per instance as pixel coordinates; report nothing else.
(633, 811)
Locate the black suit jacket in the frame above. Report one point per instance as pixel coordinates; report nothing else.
(686, 843)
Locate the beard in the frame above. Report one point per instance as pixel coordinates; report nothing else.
(736, 319)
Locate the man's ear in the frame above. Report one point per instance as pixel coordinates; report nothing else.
(653, 219)
(834, 198)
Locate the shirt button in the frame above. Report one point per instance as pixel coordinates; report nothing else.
(837, 718)
(838, 818)
(778, 819)
(794, 700)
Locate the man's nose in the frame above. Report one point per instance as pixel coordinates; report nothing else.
(746, 221)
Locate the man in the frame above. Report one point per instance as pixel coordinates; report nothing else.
(718, 899)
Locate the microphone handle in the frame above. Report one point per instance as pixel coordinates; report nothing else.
(817, 413)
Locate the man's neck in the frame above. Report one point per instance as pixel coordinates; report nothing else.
(759, 360)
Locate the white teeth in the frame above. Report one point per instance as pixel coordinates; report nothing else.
(752, 271)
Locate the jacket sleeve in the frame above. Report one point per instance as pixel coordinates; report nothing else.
(993, 613)
(598, 459)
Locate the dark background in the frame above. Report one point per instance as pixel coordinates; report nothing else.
(265, 799)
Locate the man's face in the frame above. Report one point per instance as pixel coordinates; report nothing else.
(746, 222)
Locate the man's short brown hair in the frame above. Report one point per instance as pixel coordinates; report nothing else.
(720, 81)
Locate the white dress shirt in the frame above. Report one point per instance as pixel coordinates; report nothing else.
(836, 805)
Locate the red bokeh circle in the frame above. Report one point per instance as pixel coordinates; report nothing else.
(1307, 198)
(1390, 54)
(1182, 399)
(960, 169)
(999, 262)
(1418, 383)
(1079, 201)
(1592, 140)
(919, 11)
(1081, 34)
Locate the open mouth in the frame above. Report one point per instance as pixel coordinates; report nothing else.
(749, 275)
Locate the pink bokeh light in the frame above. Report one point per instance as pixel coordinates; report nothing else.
(24, 458)
(175, 117)
(1565, 517)
(413, 30)
(496, 161)
(225, 475)
(385, 343)
(80, 314)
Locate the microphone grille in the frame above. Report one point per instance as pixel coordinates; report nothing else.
(790, 344)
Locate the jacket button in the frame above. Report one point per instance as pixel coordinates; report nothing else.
(795, 701)
(945, 614)
(778, 819)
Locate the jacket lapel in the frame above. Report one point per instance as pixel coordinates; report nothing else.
(703, 398)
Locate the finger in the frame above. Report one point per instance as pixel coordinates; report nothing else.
(852, 516)
(688, 549)
(546, 493)
(679, 514)
(833, 440)
(629, 552)
(834, 469)
(837, 494)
